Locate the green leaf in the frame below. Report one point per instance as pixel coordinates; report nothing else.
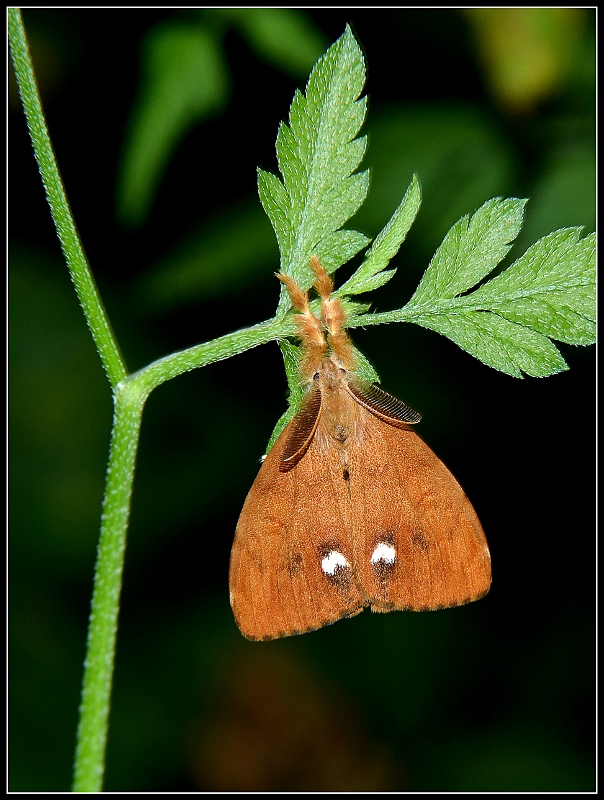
(369, 275)
(508, 322)
(317, 155)
(551, 288)
(339, 247)
(367, 284)
(472, 248)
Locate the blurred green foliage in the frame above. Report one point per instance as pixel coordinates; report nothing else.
(184, 79)
(496, 696)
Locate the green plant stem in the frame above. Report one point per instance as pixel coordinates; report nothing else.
(130, 397)
(100, 654)
(201, 355)
(81, 276)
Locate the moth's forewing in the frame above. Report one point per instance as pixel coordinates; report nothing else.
(291, 562)
(419, 544)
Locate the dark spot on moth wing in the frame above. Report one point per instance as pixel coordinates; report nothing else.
(384, 405)
(295, 564)
(341, 579)
(418, 540)
(346, 474)
(302, 429)
(383, 571)
(385, 536)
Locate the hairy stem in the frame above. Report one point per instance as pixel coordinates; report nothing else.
(81, 275)
(100, 653)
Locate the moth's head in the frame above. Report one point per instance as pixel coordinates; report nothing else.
(330, 376)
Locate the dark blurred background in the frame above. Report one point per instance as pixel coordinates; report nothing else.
(161, 176)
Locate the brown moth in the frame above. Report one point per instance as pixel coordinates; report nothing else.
(350, 508)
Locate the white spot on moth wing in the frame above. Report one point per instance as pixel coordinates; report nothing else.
(332, 561)
(383, 552)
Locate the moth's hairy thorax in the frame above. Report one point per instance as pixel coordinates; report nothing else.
(339, 412)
